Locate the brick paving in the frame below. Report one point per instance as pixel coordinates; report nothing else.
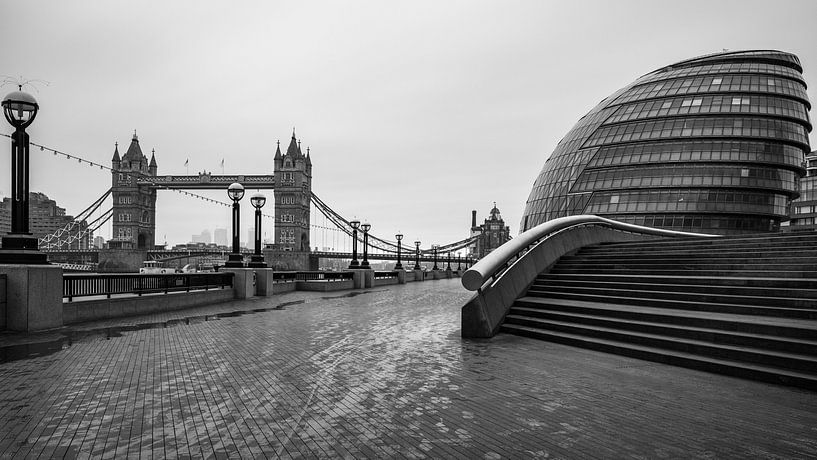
(378, 374)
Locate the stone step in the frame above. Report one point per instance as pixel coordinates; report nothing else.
(709, 296)
(754, 355)
(678, 358)
(695, 313)
(738, 335)
(665, 264)
(761, 240)
(678, 285)
(687, 279)
(805, 254)
(812, 274)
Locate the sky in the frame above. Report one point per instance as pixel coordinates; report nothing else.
(415, 112)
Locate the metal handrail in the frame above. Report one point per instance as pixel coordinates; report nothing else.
(490, 267)
(132, 283)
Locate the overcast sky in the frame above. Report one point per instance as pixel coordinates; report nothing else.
(416, 112)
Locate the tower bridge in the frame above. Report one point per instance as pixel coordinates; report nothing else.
(134, 185)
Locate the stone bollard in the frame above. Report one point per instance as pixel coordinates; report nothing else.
(358, 279)
(368, 276)
(401, 276)
(242, 282)
(418, 275)
(33, 297)
(263, 282)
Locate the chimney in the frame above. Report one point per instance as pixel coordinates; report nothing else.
(473, 218)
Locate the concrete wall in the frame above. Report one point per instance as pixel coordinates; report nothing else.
(88, 310)
(2, 302)
(324, 286)
(121, 260)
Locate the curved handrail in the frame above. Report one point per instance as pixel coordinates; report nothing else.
(497, 260)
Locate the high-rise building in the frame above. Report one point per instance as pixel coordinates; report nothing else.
(134, 205)
(46, 218)
(203, 237)
(492, 234)
(804, 209)
(220, 237)
(713, 144)
(293, 193)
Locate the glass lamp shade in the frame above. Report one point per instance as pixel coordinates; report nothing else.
(258, 200)
(20, 109)
(354, 224)
(365, 227)
(235, 191)
(417, 243)
(399, 236)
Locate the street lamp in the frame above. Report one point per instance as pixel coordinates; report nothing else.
(435, 247)
(365, 227)
(449, 261)
(236, 192)
(257, 260)
(459, 261)
(355, 224)
(417, 255)
(20, 110)
(398, 265)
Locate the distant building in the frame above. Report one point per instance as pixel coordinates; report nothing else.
(203, 237)
(492, 234)
(804, 209)
(251, 237)
(220, 236)
(46, 218)
(99, 242)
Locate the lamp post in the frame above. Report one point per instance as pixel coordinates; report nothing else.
(459, 261)
(365, 227)
(257, 260)
(236, 192)
(434, 247)
(417, 255)
(19, 245)
(355, 224)
(398, 265)
(449, 261)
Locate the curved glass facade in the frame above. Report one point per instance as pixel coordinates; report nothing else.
(714, 144)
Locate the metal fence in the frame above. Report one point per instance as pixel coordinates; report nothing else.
(381, 275)
(323, 276)
(81, 285)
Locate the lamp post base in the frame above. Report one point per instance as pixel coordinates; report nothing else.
(354, 264)
(364, 264)
(257, 262)
(398, 266)
(235, 261)
(21, 248)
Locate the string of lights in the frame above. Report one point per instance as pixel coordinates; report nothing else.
(80, 160)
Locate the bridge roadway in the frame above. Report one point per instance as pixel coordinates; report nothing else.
(381, 374)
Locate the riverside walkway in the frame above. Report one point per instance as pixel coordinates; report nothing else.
(381, 373)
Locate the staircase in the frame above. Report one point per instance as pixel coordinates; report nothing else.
(742, 306)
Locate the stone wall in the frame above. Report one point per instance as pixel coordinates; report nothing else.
(121, 260)
(2, 302)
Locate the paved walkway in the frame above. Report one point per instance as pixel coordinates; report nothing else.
(377, 374)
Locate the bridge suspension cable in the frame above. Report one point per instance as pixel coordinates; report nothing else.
(69, 233)
(379, 243)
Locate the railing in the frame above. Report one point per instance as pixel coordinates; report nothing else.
(324, 276)
(109, 284)
(491, 267)
(382, 275)
(506, 272)
(283, 277)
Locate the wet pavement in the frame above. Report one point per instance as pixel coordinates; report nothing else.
(375, 374)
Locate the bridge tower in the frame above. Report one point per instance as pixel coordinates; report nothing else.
(134, 205)
(293, 191)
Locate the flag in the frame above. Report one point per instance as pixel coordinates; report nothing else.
(186, 161)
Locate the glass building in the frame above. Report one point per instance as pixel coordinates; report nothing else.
(714, 144)
(804, 209)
